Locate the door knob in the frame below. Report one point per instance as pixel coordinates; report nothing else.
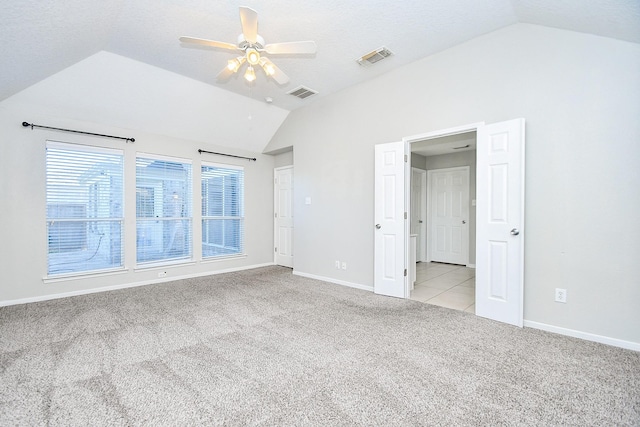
(515, 232)
(464, 222)
(378, 226)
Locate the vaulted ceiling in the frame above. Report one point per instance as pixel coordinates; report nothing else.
(40, 38)
(121, 60)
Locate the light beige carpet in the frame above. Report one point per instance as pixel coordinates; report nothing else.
(264, 347)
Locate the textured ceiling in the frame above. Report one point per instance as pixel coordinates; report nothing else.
(445, 144)
(40, 37)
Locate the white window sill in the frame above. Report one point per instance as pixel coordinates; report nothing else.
(161, 265)
(222, 258)
(83, 275)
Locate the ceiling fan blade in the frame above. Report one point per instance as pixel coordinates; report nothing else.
(249, 21)
(291, 47)
(225, 74)
(273, 71)
(211, 43)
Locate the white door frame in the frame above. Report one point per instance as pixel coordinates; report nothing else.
(422, 234)
(430, 207)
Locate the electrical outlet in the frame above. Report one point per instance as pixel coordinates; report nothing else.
(561, 295)
(162, 274)
(344, 265)
(337, 264)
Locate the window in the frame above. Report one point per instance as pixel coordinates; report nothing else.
(222, 210)
(84, 208)
(163, 209)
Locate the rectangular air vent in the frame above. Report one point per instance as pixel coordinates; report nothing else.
(373, 57)
(302, 92)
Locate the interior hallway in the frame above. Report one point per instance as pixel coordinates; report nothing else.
(446, 285)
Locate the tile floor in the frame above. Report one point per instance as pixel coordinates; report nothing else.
(446, 285)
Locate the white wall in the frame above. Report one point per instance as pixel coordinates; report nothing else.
(580, 96)
(283, 159)
(418, 161)
(23, 252)
(109, 88)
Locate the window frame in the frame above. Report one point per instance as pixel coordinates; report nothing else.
(63, 193)
(162, 222)
(239, 202)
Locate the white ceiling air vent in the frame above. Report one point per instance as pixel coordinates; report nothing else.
(373, 57)
(302, 92)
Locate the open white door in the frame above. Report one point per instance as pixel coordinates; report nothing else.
(283, 216)
(500, 222)
(390, 243)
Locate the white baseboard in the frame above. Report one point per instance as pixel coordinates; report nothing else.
(471, 265)
(336, 281)
(127, 285)
(629, 345)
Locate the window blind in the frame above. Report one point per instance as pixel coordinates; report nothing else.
(222, 210)
(163, 209)
(84, 193)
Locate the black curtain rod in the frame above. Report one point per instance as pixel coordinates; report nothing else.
(228, 155)
(25, 124)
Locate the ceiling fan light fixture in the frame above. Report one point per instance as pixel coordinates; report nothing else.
(250, 75)
(267, 66)
(252, 46)
(234, 64)
(253, 56)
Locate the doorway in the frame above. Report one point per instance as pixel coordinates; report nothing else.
(445, 276)
(283, 216)
(500, 217)
(451, 153)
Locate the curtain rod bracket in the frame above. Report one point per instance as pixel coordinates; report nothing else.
(228, 155)
(32, 125)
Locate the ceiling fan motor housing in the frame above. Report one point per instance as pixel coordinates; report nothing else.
(244, 45)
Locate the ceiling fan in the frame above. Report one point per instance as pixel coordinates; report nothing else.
(253, 49)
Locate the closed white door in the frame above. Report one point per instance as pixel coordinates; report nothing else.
(283, 216)
(449, 215)
(500, 222)
(390, 239)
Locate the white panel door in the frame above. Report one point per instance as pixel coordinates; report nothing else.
(449, 206)
(389, 214)
(283, 204)
(500, 222)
